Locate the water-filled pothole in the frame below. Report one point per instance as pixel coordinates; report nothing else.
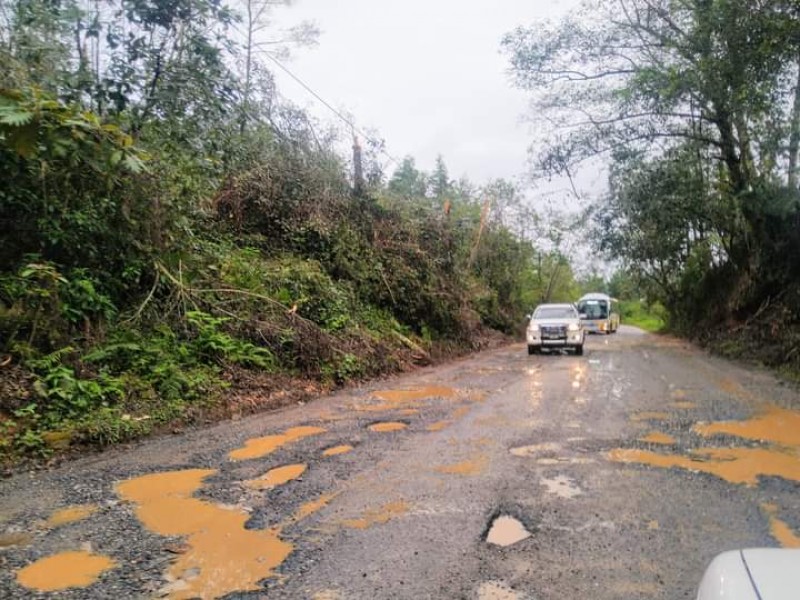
(506, 531)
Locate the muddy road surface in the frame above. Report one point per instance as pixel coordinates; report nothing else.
(618, 474)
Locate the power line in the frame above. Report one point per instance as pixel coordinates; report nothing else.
(331, 108)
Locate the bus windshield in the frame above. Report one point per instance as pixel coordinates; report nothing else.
(593, 309)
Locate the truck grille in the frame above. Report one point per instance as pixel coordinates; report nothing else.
(554, 332)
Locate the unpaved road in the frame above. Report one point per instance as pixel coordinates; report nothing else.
(625, 471)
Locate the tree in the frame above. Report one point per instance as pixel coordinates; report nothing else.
(255, 23)
(440, 185)
(696, 106)
(407, 181)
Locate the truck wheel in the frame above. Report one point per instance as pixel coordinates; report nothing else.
(533, 350)
(579, 350)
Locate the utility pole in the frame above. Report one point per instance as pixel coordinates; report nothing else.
(358, 169)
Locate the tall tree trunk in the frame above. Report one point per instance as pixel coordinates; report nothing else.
(794, 135)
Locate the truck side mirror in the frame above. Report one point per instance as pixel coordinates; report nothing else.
(583, 316)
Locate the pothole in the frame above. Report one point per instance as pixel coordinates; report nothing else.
(506, 531)
(561, 486)
(496, 590)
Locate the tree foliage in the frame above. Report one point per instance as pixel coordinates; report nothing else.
(696, 108)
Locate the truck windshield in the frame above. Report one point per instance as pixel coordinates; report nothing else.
(554, 312)
(594, 309)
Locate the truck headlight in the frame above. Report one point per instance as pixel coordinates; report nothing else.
(573, 327)
(533, 327)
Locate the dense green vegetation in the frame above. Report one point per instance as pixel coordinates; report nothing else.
(178, 244)
(696, 108)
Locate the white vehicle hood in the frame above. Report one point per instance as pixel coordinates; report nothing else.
(754, 574)
(549, 322)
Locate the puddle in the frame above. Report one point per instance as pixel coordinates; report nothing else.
(258, 447)
(437, 426)
(780, 529)
(277, 476)
(734, 465)
(658, 438)
(401, 396)
(309, 508)
(684, 405)
(535, 449)
(734, 388)
(635, 589)
(378, 516)
(70, 514)
(327, 595)
(468, 468)
(775, 424)
(388, 426)
(650, 416)
(506, 531)
(64, 570)
(496, 590)
(561, 486)
(222, 556)
(337, 450)
(565, 460)
(461, 411)
(15, 539)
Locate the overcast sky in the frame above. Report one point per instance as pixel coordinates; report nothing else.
(427, 74)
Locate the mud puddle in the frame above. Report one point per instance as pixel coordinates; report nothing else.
(70, 514)
(734, 465)
(657, 437)
(561, 486)
(64, 570)
(337, 450)
(387, 426)
(277, 476)
(222, 556)
(780, 529)
(259, 447)
(650, 416)
(15, 539)
(506, 531)
(496, 590)
(776, 425)
(468, 468)
(377, 516)
(425, 393)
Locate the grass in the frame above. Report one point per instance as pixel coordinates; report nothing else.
(647, 317)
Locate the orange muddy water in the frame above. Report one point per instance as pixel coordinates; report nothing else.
(309, 508)
(684, 405)
(70, 514)
(438, 426)
(378, 516)
(401, 396)
(649, 416)
(64, 570)
(258, 447)
(774, 424)
(222, 555)
(471, 467)
(779, 529)
(386, 427)
(658, 438)
(735, 465)
(337, 450)
(277, 476)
